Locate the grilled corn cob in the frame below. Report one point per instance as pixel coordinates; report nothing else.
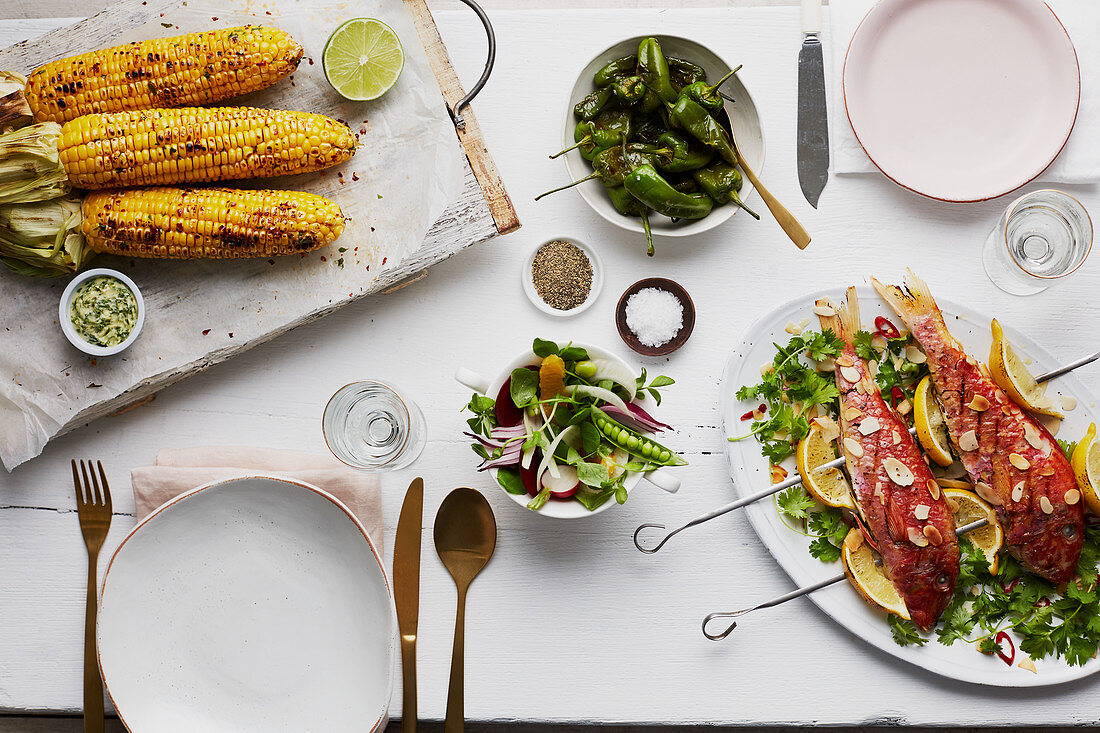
(191, 223)
(194, 145)
(180, 71)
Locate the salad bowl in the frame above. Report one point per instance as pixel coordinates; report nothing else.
(556, 508)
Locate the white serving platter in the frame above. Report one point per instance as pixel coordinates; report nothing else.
(248, 605)
(750, 473)
(961, 100)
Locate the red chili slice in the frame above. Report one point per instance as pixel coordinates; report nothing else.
(748, 415)
(888, 329)
(896, 397)
(762, 409)
(1000, 640)
(1042, 602)
(1012, 584)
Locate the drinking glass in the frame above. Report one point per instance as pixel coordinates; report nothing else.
(371, 426)
(1041, 238)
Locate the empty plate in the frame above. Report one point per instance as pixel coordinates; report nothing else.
(961, 100)
(252, 604)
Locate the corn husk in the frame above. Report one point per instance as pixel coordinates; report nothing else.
(14, 110)
(43, 238)
(30, 166)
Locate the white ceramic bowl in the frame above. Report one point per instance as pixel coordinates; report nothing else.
(597, 279)
(562, 509)
(64, 316)
(743, 114)
(252, 605)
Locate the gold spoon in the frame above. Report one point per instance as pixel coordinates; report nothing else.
(465, 537)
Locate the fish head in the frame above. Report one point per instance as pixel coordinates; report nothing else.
(1050, 544)
(930, 584)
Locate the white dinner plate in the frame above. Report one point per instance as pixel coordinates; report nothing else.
(750, 473)
(961, 100)
(249, 605)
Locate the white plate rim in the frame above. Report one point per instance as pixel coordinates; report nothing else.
(986, 197)
(932, 657)
(384, 713)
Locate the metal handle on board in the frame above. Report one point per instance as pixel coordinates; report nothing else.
(456, 113)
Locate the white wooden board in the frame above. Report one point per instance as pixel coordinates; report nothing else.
(571, 623)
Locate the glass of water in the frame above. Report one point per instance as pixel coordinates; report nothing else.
(1041, 238)
(371, 426)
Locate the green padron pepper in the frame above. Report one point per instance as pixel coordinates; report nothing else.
(689, 115)
(683, 73)
(653, 68)
(685, 157)
(721, 182)
(593, 104)
(646, 184)
(623, 202)
(707, 94)
(611, 127)
(618, 67)
(611, 166)
(629, 89)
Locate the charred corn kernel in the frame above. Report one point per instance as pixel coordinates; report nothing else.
(188, 223)
(180, 71)
(129, 148)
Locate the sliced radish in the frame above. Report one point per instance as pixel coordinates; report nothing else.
(564, 485)
(618, 373)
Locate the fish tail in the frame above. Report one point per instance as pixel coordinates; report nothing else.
(911, 302)
(845, 320)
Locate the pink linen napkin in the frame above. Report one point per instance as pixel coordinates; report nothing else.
(177, 471)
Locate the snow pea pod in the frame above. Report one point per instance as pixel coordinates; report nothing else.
(653, 68)
(646, 184)
(685, 157)
(635, 444)
(618, 67)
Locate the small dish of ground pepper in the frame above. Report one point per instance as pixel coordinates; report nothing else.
(562, 276)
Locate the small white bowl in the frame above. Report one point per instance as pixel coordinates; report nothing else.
(597, 279)
(64, 316)
(743, 114)
(662, 478)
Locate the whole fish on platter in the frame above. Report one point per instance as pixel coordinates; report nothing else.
(1013, 461)
(897, 496)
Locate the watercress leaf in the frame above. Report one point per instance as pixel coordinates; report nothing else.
(511, 481)
(640, 381)
(590, 437)
(593, 474)
(573, 456)
(593, 500)
(524, 387)
(573, 353)
(544, 348)
(580, 416)
(655, 395)
(620, 494)
(480, 450)
(662, 381)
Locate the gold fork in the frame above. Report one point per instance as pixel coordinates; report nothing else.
(93, 506)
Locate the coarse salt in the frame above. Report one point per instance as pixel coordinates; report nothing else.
(655, 316)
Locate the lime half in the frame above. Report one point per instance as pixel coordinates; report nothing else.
(363, 59)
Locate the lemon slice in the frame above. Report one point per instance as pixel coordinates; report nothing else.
(1086, 467)
(363, 59)
(969, 507)
(1011, 375)
(829, 485)
(867, 577)
(931, 429)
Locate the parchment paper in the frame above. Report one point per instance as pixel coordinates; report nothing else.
(407, 170)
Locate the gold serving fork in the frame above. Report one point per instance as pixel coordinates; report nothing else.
(93, 506)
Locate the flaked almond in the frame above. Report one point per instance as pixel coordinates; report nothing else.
(1018, 491)
(853, 447)
(915, 355)
(1072, 496)
(917, 537)
(869, 426)
(1000, 396)
(986, 491)
(844, 360)
(896, 437)
(952, 505)
(1068, 403)
(898, 472)
(933, 489)
(878, 343)
(920, 511)
(869, 384)
(951, 483)
(1045, 505)
(766, 369)
(859, 387)
(1019, 461)
(825, 311)
(1027, 664)
(904, 407)
(850, 374)
(827, 364)
(1006, 410)
(1031, 435)
(830, 431)
(1046, 471)
(851, 413)
(804, 322)
(979, 403)
(1053, 426)
(933, 534)
(792, 328)
(968, 441)
(778, 474)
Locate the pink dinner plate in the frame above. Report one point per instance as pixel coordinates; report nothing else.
(961, 100)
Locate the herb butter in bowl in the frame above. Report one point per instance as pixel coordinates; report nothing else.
(101, 312)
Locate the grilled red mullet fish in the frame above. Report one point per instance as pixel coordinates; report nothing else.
(897, 496)
(1013, 461)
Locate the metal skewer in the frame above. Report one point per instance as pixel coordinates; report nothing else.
(798, 593)
(795, 479)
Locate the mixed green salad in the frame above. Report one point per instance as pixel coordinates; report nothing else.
(569, 428)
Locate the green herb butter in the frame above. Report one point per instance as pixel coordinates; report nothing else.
(104, 311)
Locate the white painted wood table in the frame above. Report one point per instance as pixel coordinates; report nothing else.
(569, 623)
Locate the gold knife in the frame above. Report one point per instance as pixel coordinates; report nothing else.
(406, 594)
